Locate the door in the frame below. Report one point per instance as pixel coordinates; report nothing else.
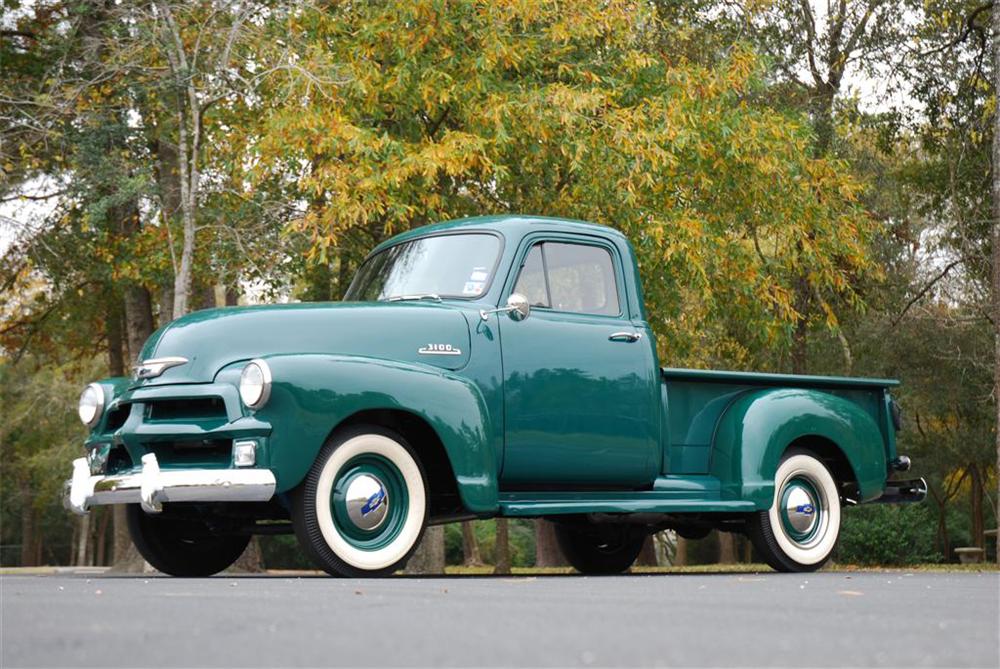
(579, 408)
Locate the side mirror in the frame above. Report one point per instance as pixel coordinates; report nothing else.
(517, 306)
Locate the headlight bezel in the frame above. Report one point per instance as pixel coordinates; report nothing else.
(265, 384)
(99, 405)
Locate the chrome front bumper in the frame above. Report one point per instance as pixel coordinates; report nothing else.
(153, 486)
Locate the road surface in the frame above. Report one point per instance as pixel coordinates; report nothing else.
(829, 619)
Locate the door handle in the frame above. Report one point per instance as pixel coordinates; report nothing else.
(625, 336)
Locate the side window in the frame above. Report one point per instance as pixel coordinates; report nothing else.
(570, 277)
(531, 283)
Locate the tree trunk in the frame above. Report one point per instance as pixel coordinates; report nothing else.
(681, 552)
(319, 283)
(344, 274)
(82, 539)
(252, 561)
(647, 556)
(27, 524)
(125, 557)
(115, 336)
(727, 548)
(996, 243)
(471, 556)
(166, 310)
(976, 507)
(188, 150)
(138, 319)
(429, 556)
(502, 551)
(101, 556)
(168, 180)
(547, 553)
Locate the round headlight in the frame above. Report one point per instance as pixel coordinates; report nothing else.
(91, 404)
(255, 384)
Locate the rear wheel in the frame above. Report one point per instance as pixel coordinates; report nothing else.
(362, 508)
(599, 549)
(182, 546)
(800, 530)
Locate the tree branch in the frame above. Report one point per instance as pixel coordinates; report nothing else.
(969, 24)
(923, 291)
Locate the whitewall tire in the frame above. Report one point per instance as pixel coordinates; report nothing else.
(800, 529)
(362, 508)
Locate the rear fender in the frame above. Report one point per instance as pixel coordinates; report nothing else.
(757, 428)
(311, 394)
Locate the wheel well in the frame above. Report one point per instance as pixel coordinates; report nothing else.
(833, 458)
(444, 497)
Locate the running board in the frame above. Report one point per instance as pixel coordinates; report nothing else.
(662, 499)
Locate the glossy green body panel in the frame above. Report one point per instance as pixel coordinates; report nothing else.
(214, 338)
(759, 425)
(580, 409)
(313, 393)
(537, 417)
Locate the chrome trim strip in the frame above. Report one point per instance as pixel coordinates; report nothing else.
(439, 351)
(153, 486)
(153, 367)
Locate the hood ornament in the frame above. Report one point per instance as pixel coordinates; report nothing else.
(153, 367)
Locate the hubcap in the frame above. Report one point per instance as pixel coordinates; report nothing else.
(367, 502)
(801, 510)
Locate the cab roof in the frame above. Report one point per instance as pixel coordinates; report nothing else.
(513, 226)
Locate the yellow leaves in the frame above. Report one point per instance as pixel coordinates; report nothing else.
(470, 107)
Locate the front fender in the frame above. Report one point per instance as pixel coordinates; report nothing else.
(313, 393)
(759, 425)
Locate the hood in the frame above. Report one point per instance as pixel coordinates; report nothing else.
(428, 333)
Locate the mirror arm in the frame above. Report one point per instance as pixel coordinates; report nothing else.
(485, 313)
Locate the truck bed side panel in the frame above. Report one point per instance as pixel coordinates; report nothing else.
(851, 413)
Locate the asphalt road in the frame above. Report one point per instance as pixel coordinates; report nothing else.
(720, 620)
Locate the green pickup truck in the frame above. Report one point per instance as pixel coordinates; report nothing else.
(495, 366)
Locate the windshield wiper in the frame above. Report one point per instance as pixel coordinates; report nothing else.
(423, 296)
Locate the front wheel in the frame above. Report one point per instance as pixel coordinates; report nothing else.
(182, 546)
(603, 549)
(362, 508)
(799, 531)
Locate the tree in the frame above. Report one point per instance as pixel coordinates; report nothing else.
(996, 243)
(502, 558)
(428, 558)
(547, 551)
(429, 124)
(471, 556)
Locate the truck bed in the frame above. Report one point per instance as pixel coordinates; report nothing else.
(697, 398)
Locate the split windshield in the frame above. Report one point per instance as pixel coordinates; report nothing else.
(429, 267)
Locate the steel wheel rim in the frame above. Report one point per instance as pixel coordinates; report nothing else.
(803, 510)
(380, 524)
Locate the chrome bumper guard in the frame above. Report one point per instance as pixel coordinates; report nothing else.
(153, 486)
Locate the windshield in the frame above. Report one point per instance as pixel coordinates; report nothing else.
(442, 266)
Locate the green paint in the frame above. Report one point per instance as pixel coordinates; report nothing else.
(548, 403)
(397, 502)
